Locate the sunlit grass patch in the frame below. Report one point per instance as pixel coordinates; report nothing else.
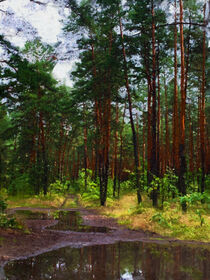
(48, 201)
(70, 203)
(169, 221)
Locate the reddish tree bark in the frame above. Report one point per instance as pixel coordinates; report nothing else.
(202, 112)
(131, 116)
(167, 143)
(182, 185)
(153, 163)
(175, 109)
(116, 151)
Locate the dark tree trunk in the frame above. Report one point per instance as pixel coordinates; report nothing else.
(135, 149)
(202, 113)
(115, 152)
(182, 184)
(153, 164)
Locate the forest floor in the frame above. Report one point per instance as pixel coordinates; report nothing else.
(38, 238)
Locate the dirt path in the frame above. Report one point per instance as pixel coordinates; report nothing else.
(15, 244)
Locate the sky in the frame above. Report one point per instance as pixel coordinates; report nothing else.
(24, 18)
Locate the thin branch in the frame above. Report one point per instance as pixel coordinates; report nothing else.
(6, 62)
(38, 2)
(6, 12)
(175, 23)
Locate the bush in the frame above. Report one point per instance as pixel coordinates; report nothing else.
(3, 205)
(21, 185)
(193, 198)
(166, 186)
(58, 187)
(6, 222)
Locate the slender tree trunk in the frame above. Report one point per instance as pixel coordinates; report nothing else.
(60, 149)
(149, 132)
(144, 144)
(67, 162)
(97, 117)
(153, 164)
(167, 157)
(202, 112)
(43, 148)
(121, 154)
(182, 184)
(191, 145)
(198, 152)
(116, 151)
(137, 139)
(63, 157)
(106, 132)
(175, 109)
(131, 118)
(73, 165)
(162, 151)
(158, 117)
(44, 156)
(33, 148)
(85, 145)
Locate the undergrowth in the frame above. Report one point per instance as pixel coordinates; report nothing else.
(169, 221)
(47, 201)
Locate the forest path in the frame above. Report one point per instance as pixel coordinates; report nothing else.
(39, 238)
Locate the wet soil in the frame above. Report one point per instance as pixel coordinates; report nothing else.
(16, 244)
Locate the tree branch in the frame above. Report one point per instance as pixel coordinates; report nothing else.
(38, 2)
(186, 23)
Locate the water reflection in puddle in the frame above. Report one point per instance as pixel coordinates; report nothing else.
(122, 261)
(67, 220)
(71, 220)
(32, 215)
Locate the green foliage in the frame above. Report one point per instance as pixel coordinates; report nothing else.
(139, 209)
(131, 183)
(21, 185)
(58, 187)
(92, 191)
(6, 222)
(158, 217)
(166, 186)
(3, 205)
(201, 218)
(193, 198)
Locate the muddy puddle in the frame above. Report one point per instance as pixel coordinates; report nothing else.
(142, 260)
(32, 215)
(67, 220)
(72, 221)
(121, 261)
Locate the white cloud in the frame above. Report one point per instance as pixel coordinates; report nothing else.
(44, 18)
(28, 17)
(62, 71)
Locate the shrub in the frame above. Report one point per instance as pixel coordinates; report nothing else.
(193, 198)
(6, 222)
(166, 186)
(58, 187)
(21, 185)
(3, 205)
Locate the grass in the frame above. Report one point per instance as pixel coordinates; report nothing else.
(40, 201)
(36, 201)
(170, 222)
